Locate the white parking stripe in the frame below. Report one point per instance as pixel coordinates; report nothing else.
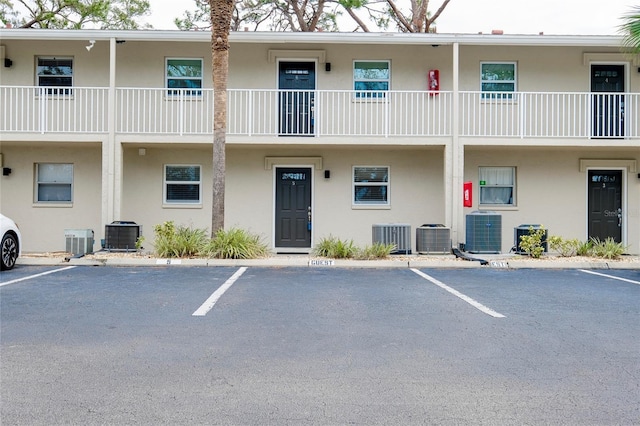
(611, 276)
(208, 304)
(456, 293)
(35, 276)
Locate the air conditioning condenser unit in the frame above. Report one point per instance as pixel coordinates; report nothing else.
(121, 236)
(433, 239)
(78, 241)
(524, 229)
(393, 233)
(483, 232)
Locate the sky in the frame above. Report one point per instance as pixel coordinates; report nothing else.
(584, 17)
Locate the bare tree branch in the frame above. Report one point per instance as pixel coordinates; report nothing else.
(398, 15)
(359, 21)
(437, 14)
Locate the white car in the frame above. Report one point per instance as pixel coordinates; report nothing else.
(11, 242)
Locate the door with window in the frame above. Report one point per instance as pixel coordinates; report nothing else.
(293, 207)
(297, 82)
(607, 86)
(605, 204)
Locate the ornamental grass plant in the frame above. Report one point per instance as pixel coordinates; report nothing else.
(185, 242)
(236, 243)
(336, 248)
(179, 241)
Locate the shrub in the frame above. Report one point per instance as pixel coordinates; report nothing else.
(139, 241)
(375, 251)
(335, 248)
(236, 244)
(585, 248)
(566, 248)
(532, 244)
(182, 241)
(179, 241)
(608, 248)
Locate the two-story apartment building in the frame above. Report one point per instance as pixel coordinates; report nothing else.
(328, 133)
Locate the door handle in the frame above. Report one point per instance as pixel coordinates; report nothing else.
(619, 218)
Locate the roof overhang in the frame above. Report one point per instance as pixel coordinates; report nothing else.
(316, 37)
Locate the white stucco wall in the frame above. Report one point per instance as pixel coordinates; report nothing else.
(42, 225)
(416, 189)
(552, 190)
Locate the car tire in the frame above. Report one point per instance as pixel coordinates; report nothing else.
(9, 251)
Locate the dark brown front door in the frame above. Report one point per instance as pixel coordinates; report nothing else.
(293, 207)
(607, 85)
(605, 204)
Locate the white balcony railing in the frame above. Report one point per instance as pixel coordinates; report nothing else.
(339, 113)
(164, 111)
(277, 112)
(53, 110)
(322, 113)
(546, 115)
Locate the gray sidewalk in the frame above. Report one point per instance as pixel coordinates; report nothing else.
(507, 261)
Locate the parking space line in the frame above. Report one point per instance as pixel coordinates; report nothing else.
(208, 304)
(35, 276)
(610, 276)
(456, 293)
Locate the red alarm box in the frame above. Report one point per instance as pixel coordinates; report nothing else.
(467, 194)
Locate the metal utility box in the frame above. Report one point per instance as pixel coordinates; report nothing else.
(393, 233)
(432, 238)
(78, 241)
(521, 230)
(121, 236)
(483, 232)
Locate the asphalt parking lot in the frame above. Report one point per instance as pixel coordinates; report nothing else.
(258, 345)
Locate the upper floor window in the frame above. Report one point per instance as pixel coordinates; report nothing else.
(55, 73)
(54, 183)
(497, 186)
(371, 185)
(182, 184)
(371, 79)
(498, 77)
(183, 76)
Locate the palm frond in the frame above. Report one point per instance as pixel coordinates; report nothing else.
(630, 29)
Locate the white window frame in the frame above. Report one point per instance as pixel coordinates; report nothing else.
(504, 94)
(54, 90)
(484, 186)
(385, 184)
(366, 94)
(166, 184)
(191, 92)
(61, 183)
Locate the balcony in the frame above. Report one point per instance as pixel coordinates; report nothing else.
(53, 110)
(322, 113)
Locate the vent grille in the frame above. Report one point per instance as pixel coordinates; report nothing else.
(483, 232)
(433, 239)
(393, 233)
(78, 241)
(122, 236)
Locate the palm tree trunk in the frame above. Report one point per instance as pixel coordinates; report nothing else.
(221, 11)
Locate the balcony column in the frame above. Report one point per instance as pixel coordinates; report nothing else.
(110, 207)
(454, 160)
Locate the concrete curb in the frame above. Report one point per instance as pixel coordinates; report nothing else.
(40, 261)
(546, 264)
(304, 261)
